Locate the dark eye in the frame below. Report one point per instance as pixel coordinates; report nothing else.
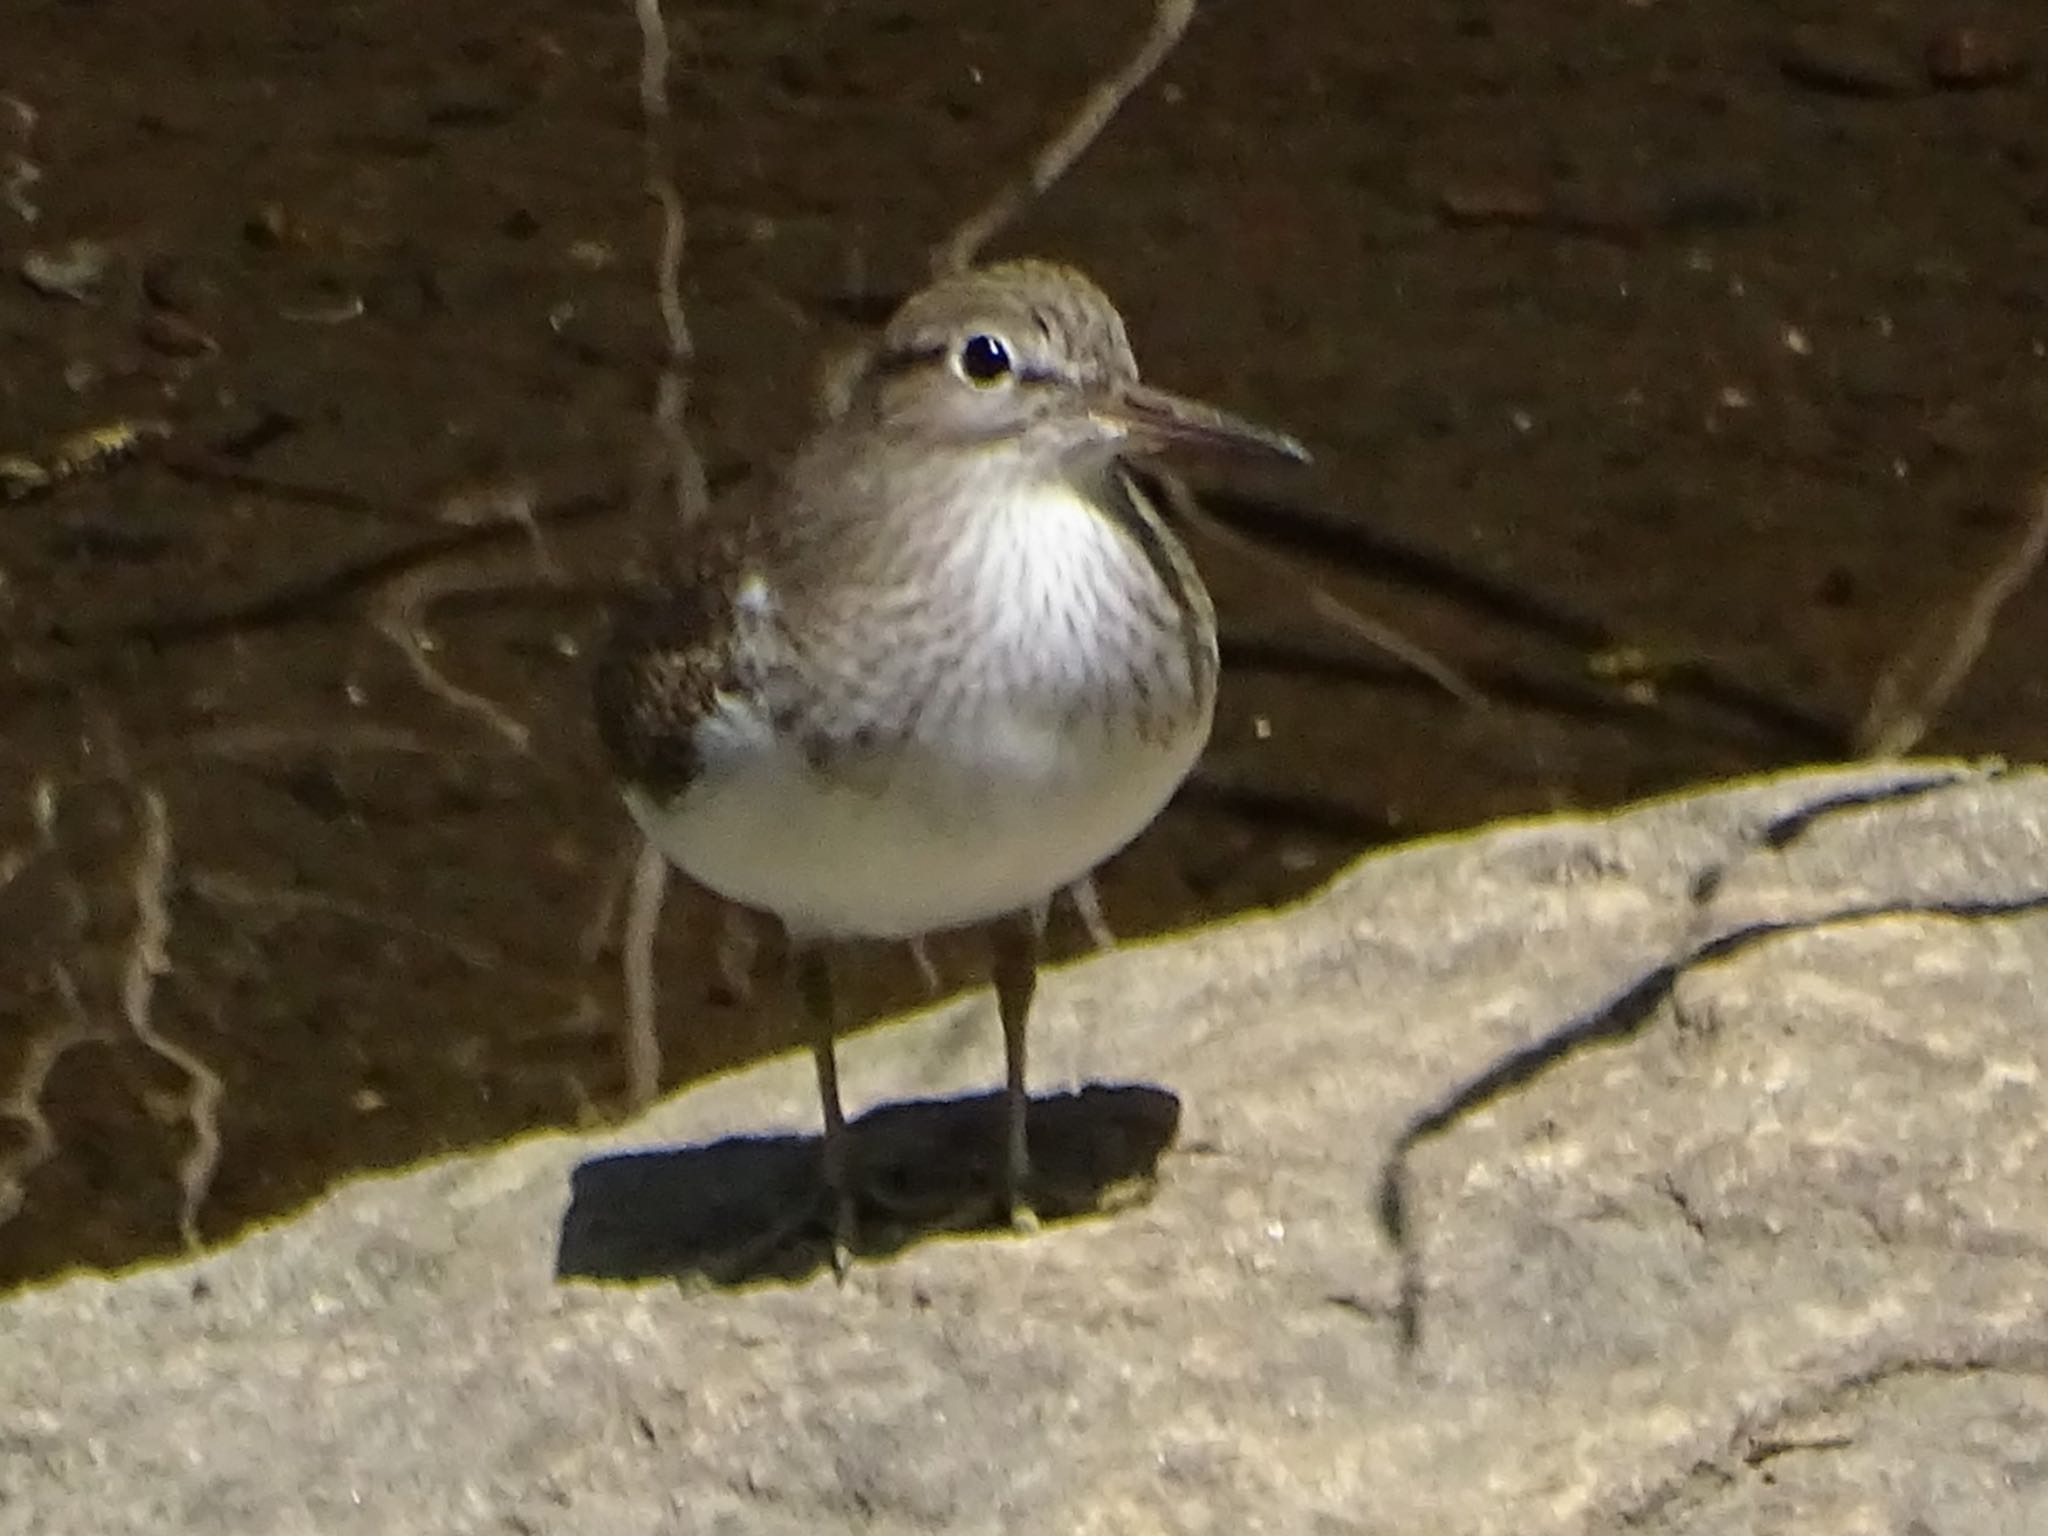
(983, 360)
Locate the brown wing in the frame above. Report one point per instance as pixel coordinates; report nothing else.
(668, 654)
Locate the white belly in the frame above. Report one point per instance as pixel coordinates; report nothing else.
(1047, 734)
(933, 835)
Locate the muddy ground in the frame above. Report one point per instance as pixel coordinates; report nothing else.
(1669, 367)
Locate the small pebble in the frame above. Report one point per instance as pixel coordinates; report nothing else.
(329, 302)
(17, 123)
(1971, 58)
(1844, 63)
(172, 335)
(18, 177)
(269, 228)
(1297, 857)
(71, 271)
(18, 173)
(1491, 202)
(486, 503)
(171, 284)
(472, 104)
(1710, 207)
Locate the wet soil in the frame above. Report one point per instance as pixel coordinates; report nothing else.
(1670, 367)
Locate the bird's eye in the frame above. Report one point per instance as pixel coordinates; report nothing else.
(983, 360)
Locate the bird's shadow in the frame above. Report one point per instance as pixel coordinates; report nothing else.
(753, 1208)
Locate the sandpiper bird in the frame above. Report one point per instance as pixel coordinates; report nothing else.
(946, 665)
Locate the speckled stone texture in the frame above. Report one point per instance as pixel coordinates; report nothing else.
(1757, 1242)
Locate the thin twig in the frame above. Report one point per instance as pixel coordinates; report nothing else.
(399, 610)
(643, 921)
(13, 862)
(671, 445)
(957, 252)
(673, 457)
(310, 596)
(148, 959)
(46, 804)
(24, 1104)
(398, 615)
(1902, 707)
(927, 968)
(1325, 536)
(226, 890)
(1380, 636)
(197, 467)
(1087, 902)
(244, 743)
(513, 502)
(596, 938)
(585, 1017)
(739, 946)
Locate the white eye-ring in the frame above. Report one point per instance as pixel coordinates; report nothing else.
(982, 360)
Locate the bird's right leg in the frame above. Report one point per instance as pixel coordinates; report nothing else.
(814, 991)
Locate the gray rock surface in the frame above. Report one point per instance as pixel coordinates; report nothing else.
(1758, 1243)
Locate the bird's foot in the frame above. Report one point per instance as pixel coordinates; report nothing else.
(890, 1203)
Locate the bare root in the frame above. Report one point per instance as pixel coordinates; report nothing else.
(1087, 902)
(399, 616)
(24, 1101)
(739, 946)
(1919, 683)
(671, 447)
(958, 251)
(148, 960)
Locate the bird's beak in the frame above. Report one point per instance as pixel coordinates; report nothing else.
(1152, 421)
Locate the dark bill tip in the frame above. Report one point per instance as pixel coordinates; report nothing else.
(1156, 421)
